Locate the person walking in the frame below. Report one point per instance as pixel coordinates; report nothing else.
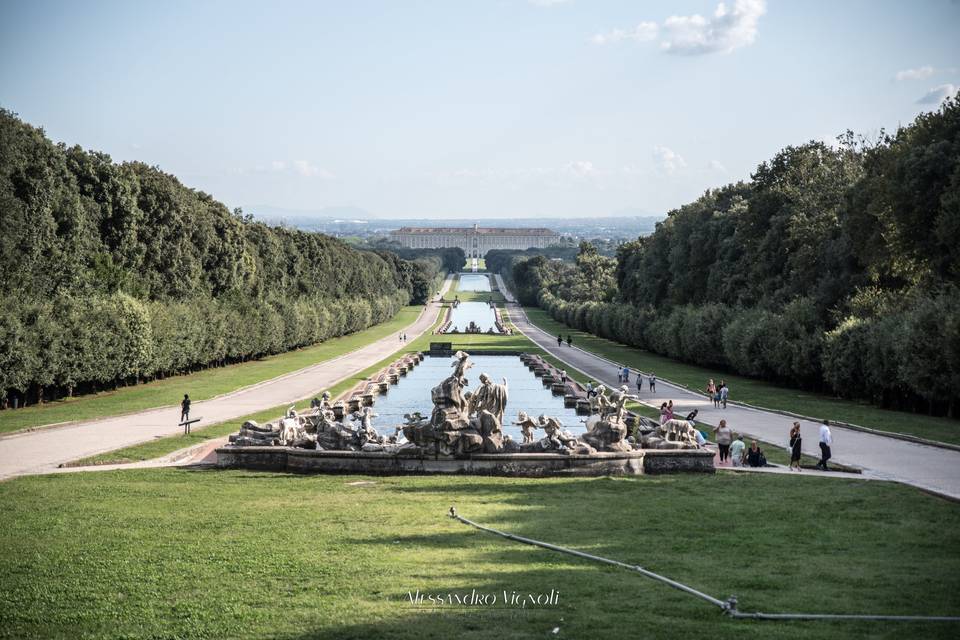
(559, 340)
(185, 408)
(724, 437)
(590, 391)
(652, 380)
(663, 413)
(711, 387)
(639, 382)
(619, 374)
(795, 443)
(626, 375)
(563, 376)
(826, 440)
(569, 340)
(724, 393)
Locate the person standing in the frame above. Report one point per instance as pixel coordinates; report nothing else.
(185, 408)
(670, 410)
(663, 413)
(724, 436)
(563, 376)
(795, 442)
(724, 392)
(826, 440)
(652, 380)
(626, 375)
(590, 391)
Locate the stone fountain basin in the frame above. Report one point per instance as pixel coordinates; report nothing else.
(631, 463)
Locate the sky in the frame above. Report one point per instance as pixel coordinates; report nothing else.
(462, 109)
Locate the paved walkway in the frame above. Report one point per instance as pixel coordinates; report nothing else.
(929, 468)
(42, 451)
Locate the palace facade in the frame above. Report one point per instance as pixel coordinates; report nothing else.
(475, 241)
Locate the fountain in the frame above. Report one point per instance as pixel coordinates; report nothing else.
(464, 433)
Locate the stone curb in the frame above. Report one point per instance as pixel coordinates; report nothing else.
(844, 425)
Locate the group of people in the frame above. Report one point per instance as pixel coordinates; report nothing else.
(733, 448)
(560, 340)
(718, 393)
(623, 377)
(403, 336)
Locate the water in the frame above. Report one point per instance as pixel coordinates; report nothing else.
(474, 282)
(480, 312)
(525, 393)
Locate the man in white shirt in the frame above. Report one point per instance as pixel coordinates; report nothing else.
(826, 439)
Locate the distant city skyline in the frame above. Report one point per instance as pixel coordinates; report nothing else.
(477, 109)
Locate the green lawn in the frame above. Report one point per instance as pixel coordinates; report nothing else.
(202, 385)
(213, 554)
(481, 264)
(756, 392)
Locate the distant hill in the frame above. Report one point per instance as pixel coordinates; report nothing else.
(354, 221)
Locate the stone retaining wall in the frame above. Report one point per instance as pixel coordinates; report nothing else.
(641, 462)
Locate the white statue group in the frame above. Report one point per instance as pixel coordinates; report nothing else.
(466, 422)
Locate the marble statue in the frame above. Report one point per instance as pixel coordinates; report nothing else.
(527, 426)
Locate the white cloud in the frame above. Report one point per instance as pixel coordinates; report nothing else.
(727, 30)
(580, 169)
(716, 165)
(643, 32)
(303, 168)
(307, 170)
(919, 73)
(938, 94)
(668, 160)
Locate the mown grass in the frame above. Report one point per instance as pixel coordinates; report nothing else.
(756, 392)
(214, 554)
(201, 385)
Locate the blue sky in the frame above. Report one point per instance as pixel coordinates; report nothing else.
(510, 108)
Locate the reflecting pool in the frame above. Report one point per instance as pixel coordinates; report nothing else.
(474, 282)
(525, 393)
(480, 312)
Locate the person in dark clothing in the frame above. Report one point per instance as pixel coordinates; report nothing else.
(185, 408)
(755, 457)
(569, 340)
(795, 444)
(559, 340)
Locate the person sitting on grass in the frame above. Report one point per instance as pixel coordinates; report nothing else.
(754, 456)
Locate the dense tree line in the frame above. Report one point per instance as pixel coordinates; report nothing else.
(567, 249)
(117, 272)
(450, 259)
(831, 268)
